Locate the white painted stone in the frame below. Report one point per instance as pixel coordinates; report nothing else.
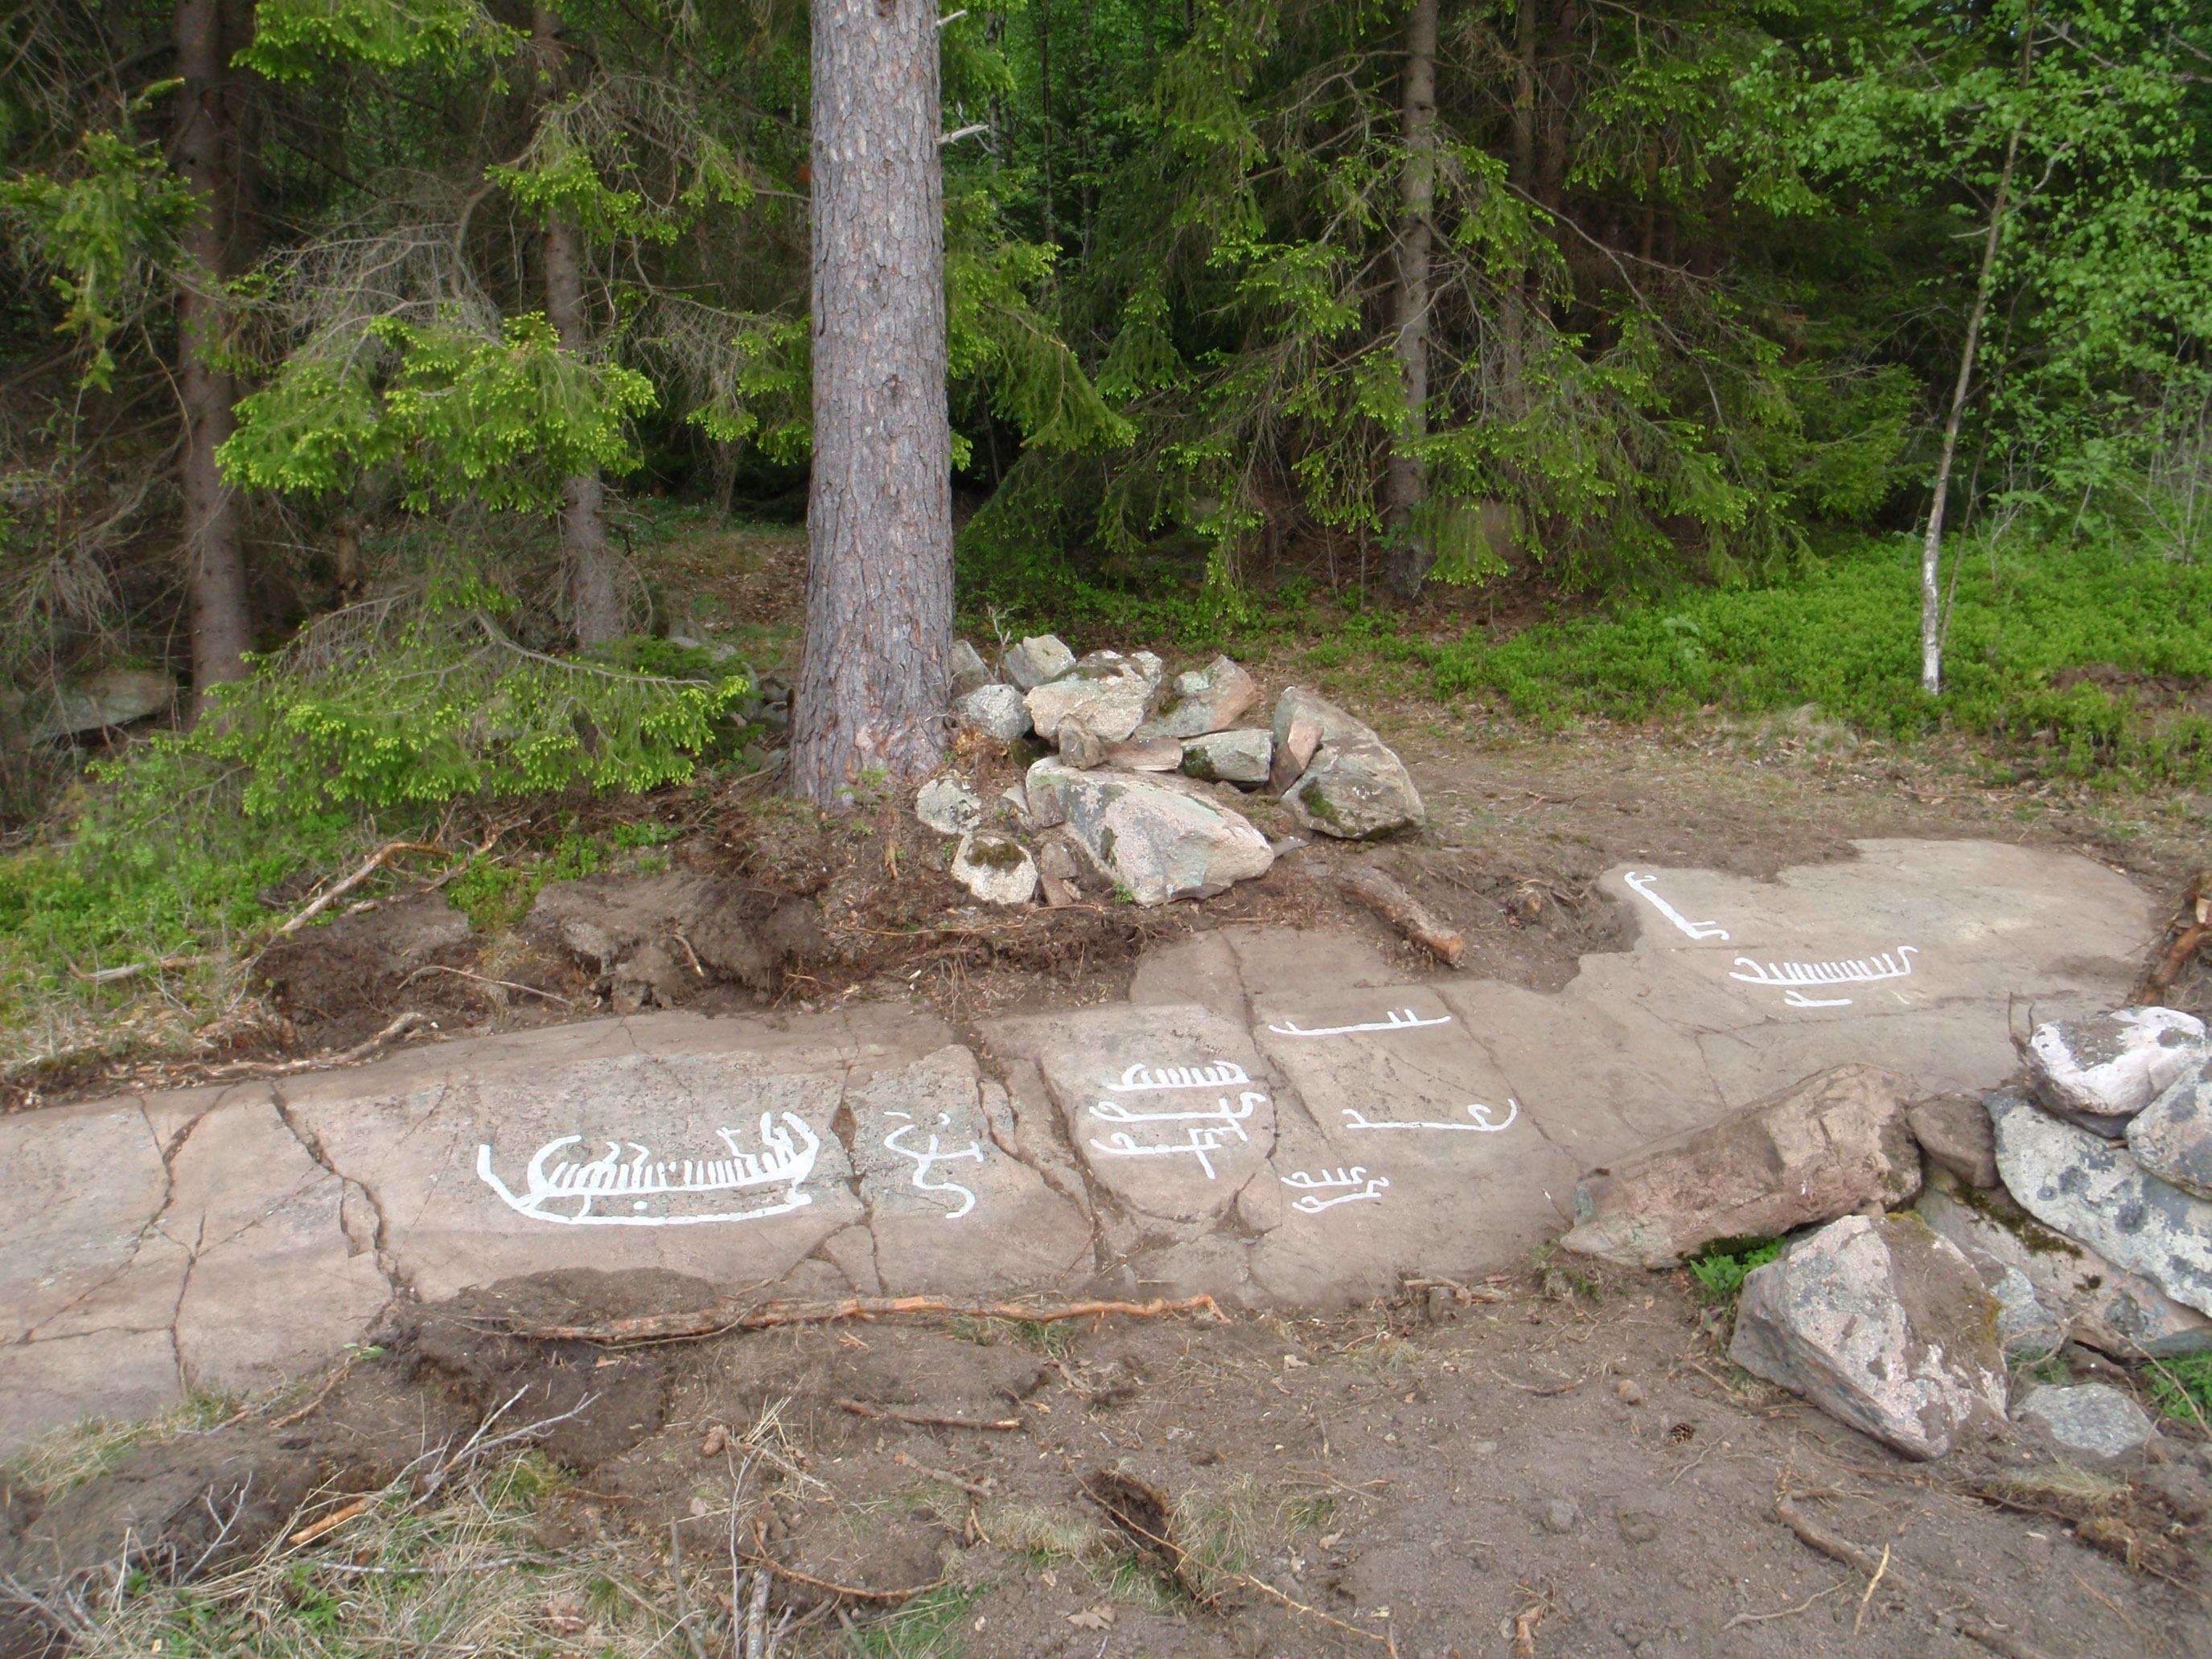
(2103, 1070)
(2172, 1137)
(1883, 1325)
(948, 806)
(997, 709)
(997, 869)
(1240, 757)
(2090, 1417)
(1161, 837)
(1037, 659)
(2089, 1189)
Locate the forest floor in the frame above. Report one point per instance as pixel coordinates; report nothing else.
(1560, 1462)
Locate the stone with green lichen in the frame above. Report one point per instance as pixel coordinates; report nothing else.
(997, 869)
(1356, 790)
(1239, 757)
(1160, 836)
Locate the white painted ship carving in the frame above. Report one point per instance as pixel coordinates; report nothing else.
(643, 1191)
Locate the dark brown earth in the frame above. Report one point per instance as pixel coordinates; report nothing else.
(1559, 1447)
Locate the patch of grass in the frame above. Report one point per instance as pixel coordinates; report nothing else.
(1219, 1532)
(66, 1458)
(2182, 1387)
(1045, 1536)
(927, 1627)
(1840, 642)
(1305, 1512)
(1054, 1339)
(1720, 1269)
(1383, 1354)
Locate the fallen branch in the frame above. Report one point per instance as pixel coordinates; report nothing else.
(761, 1558)
(1391, 902)
(400, 1027)
(973, 1488)
(2192, 925)
(1836, 1548)
(370, 866)
(921, 1419)
(337, 1377)
(330, 1523)
(738, 1317)
(482, 978)
(131, 970)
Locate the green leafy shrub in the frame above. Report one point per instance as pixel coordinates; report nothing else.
(1845, 635)
(1721, 1269)
(2182, 1387)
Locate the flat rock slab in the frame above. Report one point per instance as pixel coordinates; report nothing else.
(1273, 1116)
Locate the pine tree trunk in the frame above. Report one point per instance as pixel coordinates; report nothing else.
(872, 676)
(211, 158)
(1405, 480)
(1521, 174)
(589, 571)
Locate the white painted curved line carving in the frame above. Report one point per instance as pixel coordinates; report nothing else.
(786, 1160)
(1642, 885)
(1397, 1020)
(1479, 1113)
(924, 1162)
(1312, 1204)
(1205, 1133)
(1220, 1074)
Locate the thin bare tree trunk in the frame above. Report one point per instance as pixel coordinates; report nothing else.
(1931, 544)
(592, 573)
(1405, 480)
(211, 158)
(1513, 311)
(870, 706)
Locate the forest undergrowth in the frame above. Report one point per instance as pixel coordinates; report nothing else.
(133, 912)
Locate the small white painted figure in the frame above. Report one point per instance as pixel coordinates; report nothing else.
(640, 1184)
(1395, 1020)
(1643, 885)
(1357, 1176)
(1479, 1112)
(1200, 1143)
(924, 1162)
(1231, 1118)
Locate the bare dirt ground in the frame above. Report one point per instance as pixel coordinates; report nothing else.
(1554, 1462)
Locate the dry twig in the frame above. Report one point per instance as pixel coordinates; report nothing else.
(922, 1420)
(761, 1558)
(369, 866)
(973, 1488)
(410, 1021)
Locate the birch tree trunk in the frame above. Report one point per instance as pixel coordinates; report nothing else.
(1931, 543)
(213, 158)
(1405, 480)
(869, 709)
(588, 569)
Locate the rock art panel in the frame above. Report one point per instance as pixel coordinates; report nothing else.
(950, 1209)
(702, 1147)
(1405, 1148)
(1170, 1108)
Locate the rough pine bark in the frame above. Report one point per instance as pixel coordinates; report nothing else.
(1405, 479)
(213, 158)
(876, 665)
(591, 572)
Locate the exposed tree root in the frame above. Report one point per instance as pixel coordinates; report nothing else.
(1391, 902)
(740, 1316)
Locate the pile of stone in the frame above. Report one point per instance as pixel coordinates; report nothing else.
(1141, 783)
(2076, 1207)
